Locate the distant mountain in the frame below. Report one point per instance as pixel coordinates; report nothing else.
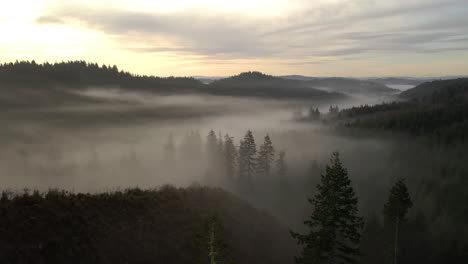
(398, 81)
(263, 85)
(351, 86)
(298, 77)
(343, 85)
(440, 89)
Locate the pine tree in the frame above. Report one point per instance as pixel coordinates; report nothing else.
(212, 147)
(281, 166)
(335, 227)
(230, 156)
(266, 155)
(169, 150)
(247, 160)
(211, 244)
(395, 210)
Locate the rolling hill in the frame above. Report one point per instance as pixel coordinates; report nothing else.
(134, 226)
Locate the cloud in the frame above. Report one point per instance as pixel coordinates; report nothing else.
(346, 28)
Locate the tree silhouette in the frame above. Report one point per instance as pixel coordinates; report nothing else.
(230, 156)
(395, 210)
(212, 247)
(247, 159)
(334, 226)
(281, 166)
(266, 156)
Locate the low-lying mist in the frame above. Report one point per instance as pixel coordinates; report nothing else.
(123, 143)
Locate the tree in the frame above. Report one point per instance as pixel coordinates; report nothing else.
(314, 114)
(211, 144)
(230, 156)
(266, 156)
(335, 227)
(169, 150)
(281, 166)
(395, 210)
(211, 244)
(247, 160)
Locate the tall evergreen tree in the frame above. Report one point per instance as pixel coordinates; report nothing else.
(212, 149)
(247, 159)
(281, 167)
(230, 156)
(335, 227)
(211, 244)
(266, 155)
(395, 210)
(169, 150)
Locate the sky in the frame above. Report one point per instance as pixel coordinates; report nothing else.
(356, 38)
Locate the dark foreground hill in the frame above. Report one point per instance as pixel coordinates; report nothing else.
(134, 226)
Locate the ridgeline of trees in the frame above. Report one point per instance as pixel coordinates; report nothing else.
(30, 76)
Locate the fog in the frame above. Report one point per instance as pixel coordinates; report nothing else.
(121, 143)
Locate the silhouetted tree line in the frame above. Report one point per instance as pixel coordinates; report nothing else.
(82, 74)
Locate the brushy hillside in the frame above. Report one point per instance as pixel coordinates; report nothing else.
(134, 226)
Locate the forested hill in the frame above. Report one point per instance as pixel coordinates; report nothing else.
(438, 90)
(135, 226)
(262, 85)
(344, 85)
(437, 109)
(28, 78)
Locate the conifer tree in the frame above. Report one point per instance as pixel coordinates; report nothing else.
(169, 149)
(211, 244)
(281, 166)
(266, 156)
(211, 147)
(334, 226)
(230, 156)
(395, 210)
(247, 160)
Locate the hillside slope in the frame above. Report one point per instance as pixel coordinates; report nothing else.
(134, 226)
(438, 89)
(343, 85)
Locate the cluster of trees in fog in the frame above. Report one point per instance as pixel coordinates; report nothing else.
(242, 162)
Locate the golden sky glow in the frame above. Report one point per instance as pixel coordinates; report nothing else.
(218, 38)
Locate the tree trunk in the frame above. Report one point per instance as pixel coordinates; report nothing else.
(395, 249)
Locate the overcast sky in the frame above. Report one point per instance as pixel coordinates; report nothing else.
(219, 38)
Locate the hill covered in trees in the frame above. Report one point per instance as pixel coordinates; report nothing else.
(344, 85)
(134, 226)
(438, 90)
(262, 85)
(437, 109)
(57, 83)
